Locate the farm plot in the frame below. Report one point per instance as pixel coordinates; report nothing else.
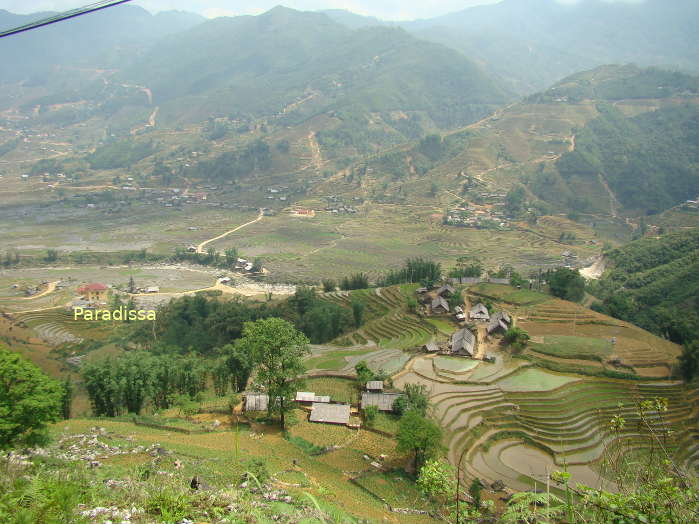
(339, 389)
(574, 347)
(57, 326)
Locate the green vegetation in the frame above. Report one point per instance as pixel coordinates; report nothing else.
(29, 401)
(414, 270)
(277, 350)
(122, 153)
(566, 284)
(565, 346)
(653, 283)
(420, 436)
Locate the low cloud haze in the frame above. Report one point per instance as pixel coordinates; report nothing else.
(385, 9)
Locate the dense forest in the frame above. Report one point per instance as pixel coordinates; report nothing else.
(654, 283)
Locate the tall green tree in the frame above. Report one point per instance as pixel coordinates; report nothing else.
(689, 361)
(66, 398)
(278, 349)
(29, 401)
(358, 312)
(420, 436)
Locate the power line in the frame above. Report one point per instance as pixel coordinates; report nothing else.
(91, 8)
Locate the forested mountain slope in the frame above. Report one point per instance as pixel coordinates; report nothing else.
(654, 282)
(262, 64)
(104, 39)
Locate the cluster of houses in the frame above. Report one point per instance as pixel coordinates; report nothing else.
(437, 298)
(90, 296)
(324, 410)
(277, 193)
(479, 217)
(463, 343)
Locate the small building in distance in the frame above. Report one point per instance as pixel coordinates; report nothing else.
(431, 347)
(479, 312)
(94, 292)
(330, 413)
(463, 343)
(383, 401)
(446, 291)
(256, 401)
(374, 386)
(500, 321)
(308, 397)
(152, 289)
(439, 305)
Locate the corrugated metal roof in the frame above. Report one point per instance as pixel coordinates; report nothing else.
(330, 413)
(383, 401)
(375, 384)
(256, 401)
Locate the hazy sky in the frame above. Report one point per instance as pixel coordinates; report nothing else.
(386, 9)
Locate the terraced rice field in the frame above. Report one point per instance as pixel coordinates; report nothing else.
(569, 330)
(56, 326)
(525, 421)
(388, 324)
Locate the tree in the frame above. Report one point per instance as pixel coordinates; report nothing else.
(689, 361)
(329, 285)
(231, 255)
(419, 436)
(415, 399)
(238, 364)
(437, 478)
(51, 255)
(132, 285)
(29, 400)
(358, 312)
(370, 413)
(517, 338)
(567, 284)
(66, 398)
(364, 374)
(277, 349)
(475, 491)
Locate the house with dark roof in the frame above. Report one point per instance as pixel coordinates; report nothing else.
(500, 321)
(446, 291)
(431, 347)
(439, 305)
(383, 401)
(463, 343)
(479, 312)
(330, 413)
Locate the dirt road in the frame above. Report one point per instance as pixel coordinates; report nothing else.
(200, 247)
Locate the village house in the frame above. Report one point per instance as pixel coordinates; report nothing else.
(431, 347)
(330, 413)
(256, 401)
(463, 343)
(374, 386)
(94, 292)
(439, 305)
(383, 401)
(446, 291)
(309, 397)
(479, 312)
(500, 321)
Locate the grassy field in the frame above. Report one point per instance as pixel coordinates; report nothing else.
(339, 389)
(509, 295)
(574, 347)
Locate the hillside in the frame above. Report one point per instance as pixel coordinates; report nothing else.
(533, 44)
(653, 283)
(259, 65)
(602, 145)
(100, 40)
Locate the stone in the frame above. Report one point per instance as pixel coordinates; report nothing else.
(498, 485)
